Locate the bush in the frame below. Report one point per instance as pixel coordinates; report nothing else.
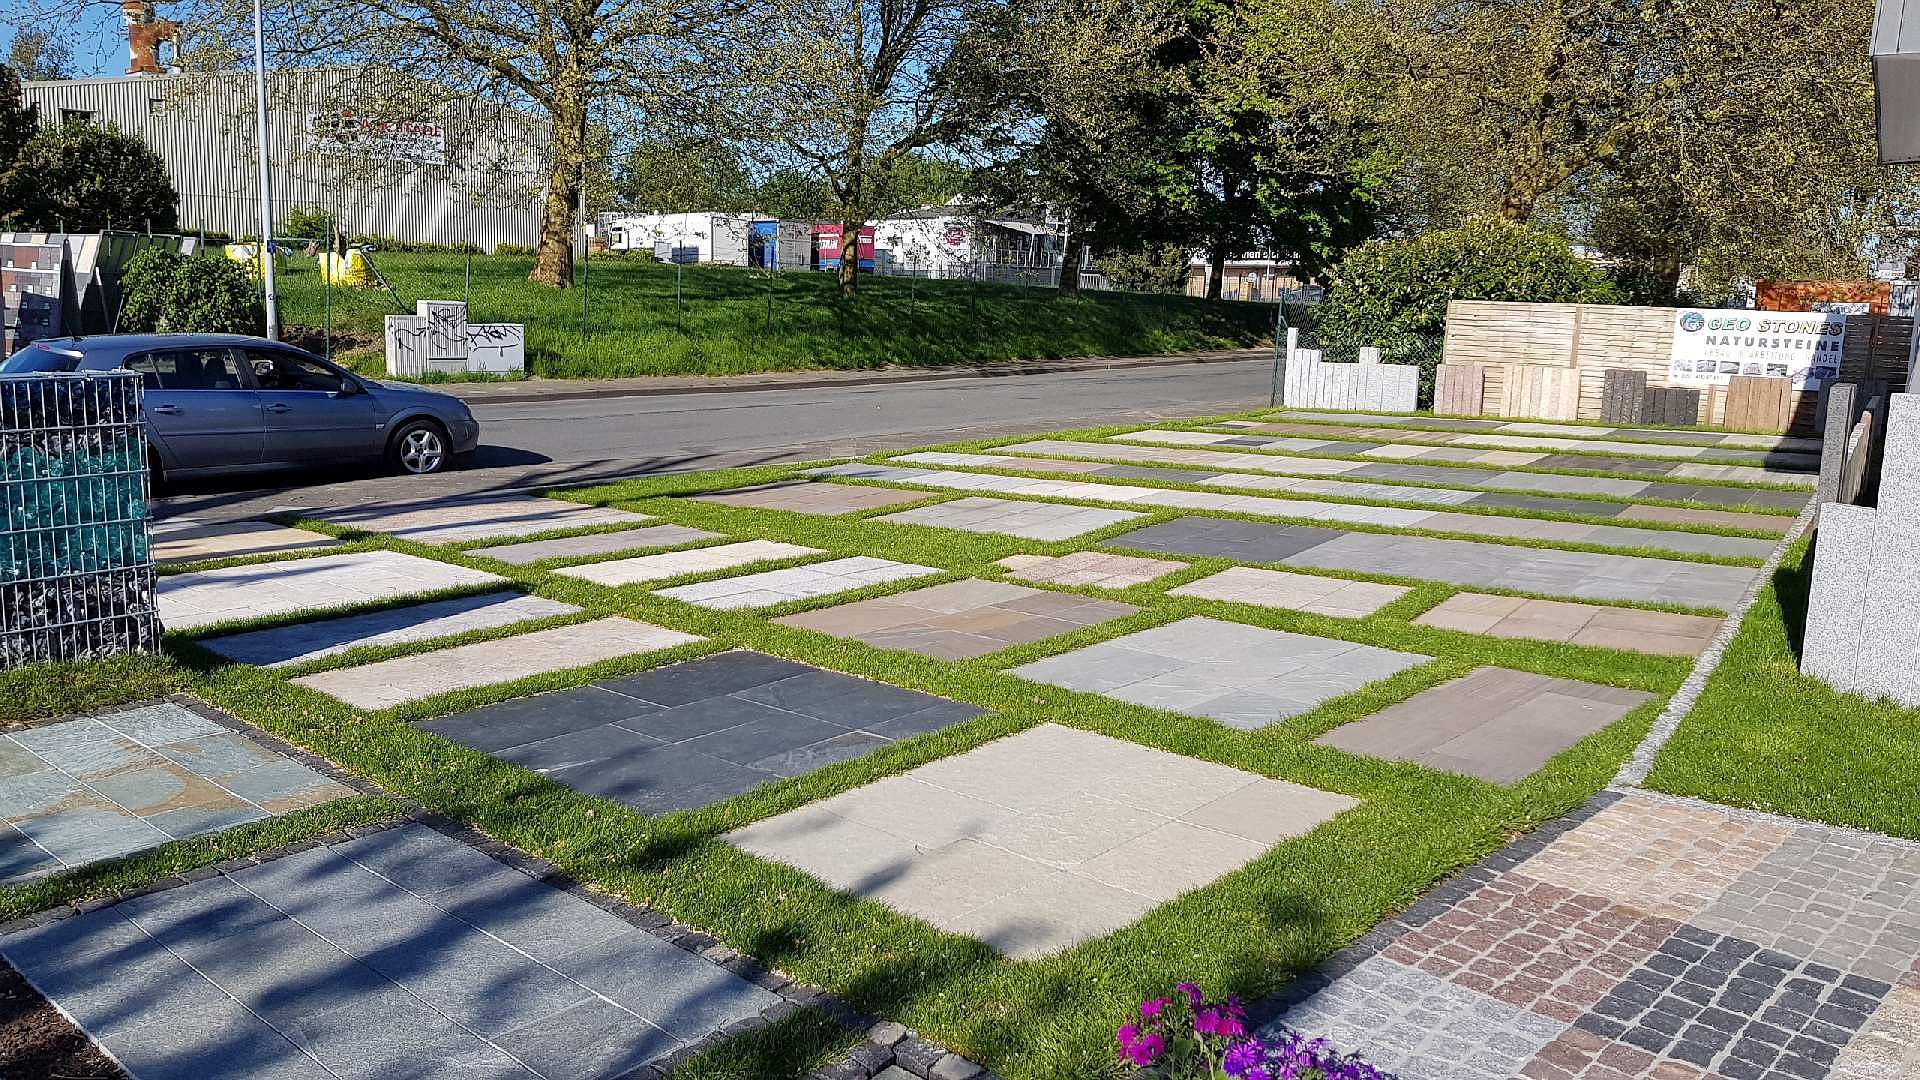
(1152, 270)
(88, 178)
(163, 290)
(308, 223)
(1393, 293)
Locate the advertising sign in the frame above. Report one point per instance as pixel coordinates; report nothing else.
(422, 142)
(1711, 345)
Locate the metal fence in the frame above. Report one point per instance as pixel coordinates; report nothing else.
(76, 566)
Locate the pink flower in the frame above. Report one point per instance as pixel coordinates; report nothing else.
(1194, 996)
(1218, 1022)
(1151, 1009)
(1147, 1050)
(1127, 1035)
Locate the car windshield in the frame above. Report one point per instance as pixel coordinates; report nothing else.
(38, 358)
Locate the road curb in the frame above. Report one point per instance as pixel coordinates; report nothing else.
(562, 392)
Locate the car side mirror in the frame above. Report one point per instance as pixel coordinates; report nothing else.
(350, 388)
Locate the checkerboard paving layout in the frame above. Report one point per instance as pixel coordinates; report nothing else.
(960, 619)
(204, 597)
(1499, 725)
(1645, 937)
(1042, 840)
(1243, 676)
(1526, 427)
(695, 733)
(1548, 439)
(1297, 592)
(673, 564)
(403, 953)
(1658, 632)
(94, 788)
(796, 583)
(802, 497)
(477, 519)
(388, 683)
(1028, 520)
(1491, 477)
(302, 642)
(185, 540)
(594, 544)
(1088, 568)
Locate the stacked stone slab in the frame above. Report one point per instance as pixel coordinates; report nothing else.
(1671, 405)
(1458, 389)
(1863, 616)
(1312, 383)
(1623, 398)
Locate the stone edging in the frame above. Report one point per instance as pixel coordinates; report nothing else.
(1635, 771)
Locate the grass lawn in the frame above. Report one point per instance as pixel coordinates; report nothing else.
(1048, 1019)
(652, 319)
(1767, 737)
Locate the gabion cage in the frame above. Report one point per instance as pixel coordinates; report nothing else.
(76, 568)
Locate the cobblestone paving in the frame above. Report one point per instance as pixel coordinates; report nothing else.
(1645, 937)
(108, 785)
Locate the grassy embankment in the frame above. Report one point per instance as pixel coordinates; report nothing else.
(651, 319)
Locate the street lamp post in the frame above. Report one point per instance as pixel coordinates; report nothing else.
(270, 297)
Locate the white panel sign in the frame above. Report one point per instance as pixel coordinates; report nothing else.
(496, 347)
(1711, 345)
(422, 142)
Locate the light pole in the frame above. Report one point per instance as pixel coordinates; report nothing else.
(271, 298)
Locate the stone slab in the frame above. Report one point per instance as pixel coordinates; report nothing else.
(796, 583)
(458, 521)
(1297, 592)
(1246, 677)
(204, 597)
(672, 564)
(1226, 538)
(1861, 629)
(1658, 632)
(593, 544)
(1493, 723)
(494, 975)
(1006, 517)
(302, 642)
(803, 497)
(702, 731)
(119, 782)
(184, 541)
(394, 682)
(961, 619)
(1094, 569)
(1043, 840)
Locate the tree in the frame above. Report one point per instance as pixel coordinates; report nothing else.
(39, 56)
(848, 90)
(17, 119)
(87, 178)
(207, 293)
(684, 175)
(794, 195)
(1158, 269)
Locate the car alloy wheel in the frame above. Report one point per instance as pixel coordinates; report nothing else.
(422, 451)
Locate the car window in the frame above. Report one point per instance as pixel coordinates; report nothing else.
(37, 358)
(277, 370)
(189, 369)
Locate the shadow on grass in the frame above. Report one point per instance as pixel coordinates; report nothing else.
(1792, 584)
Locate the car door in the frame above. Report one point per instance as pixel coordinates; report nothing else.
(200, 406)
(312, 411)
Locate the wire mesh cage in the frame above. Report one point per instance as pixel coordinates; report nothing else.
(76, 566)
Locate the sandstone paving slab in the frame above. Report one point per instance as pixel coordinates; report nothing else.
(1659, 632)
(960, 619)
(1297, 592)
(458, 521)
(1524, 427)
(182, 540)
(204, 597)
(1643, 937)
(594, 544)
(673, 564)
(796, 583)
(401, 953)
(1493, 723)
(1246, 677)
(282, 646)
(1562, 442)
(103, 786)
(1042, 840)
(1007, 517)
(803, 497)
(1088, 568)
(393, 682)
(702, 731)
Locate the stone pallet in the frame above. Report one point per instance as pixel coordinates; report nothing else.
(1623, 400)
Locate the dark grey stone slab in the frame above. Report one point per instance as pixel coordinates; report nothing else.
(1596, 463)
(1548, 503)
(1243, 541)
(842, 699)
(1148, 472)
(678, 684)
(780, 733)
(531, 719)
(576, 748)
(801, 760)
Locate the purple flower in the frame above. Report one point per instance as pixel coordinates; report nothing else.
(1153, 1008)
(1147, 1049)
(1216, 1021)
(1243, 1057)
(1194, 997)
(1127, 1035)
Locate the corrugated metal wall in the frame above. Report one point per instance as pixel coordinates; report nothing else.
(487, 194)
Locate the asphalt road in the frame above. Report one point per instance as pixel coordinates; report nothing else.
(539, 444)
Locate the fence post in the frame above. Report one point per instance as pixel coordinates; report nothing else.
(1280, 364)
(1833, 447)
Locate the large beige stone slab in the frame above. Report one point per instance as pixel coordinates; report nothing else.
(673, 564)
(1658, 632)
(204, 597)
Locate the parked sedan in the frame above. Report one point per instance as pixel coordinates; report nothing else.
(227, 403)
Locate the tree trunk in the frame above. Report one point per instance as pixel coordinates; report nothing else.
(850, 253)
(553, 263)
(1216, 269)
(1070, 256)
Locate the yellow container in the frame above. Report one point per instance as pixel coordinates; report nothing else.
(348, 269)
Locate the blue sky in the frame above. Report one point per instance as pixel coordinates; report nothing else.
(98, 38)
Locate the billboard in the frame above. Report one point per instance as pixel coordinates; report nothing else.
(337, 131)
(1711, 345)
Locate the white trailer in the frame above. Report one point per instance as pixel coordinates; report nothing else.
(686, 238)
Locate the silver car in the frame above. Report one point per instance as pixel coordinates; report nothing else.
(228, 403)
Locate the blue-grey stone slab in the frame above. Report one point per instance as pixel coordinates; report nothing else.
(301, 642)
(698, 680)
(1242, 541)
(21, 858)
(593, 1038)
(156, 725)
(542, 716)
(576, 748)
(677, 991)
(90, 830)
